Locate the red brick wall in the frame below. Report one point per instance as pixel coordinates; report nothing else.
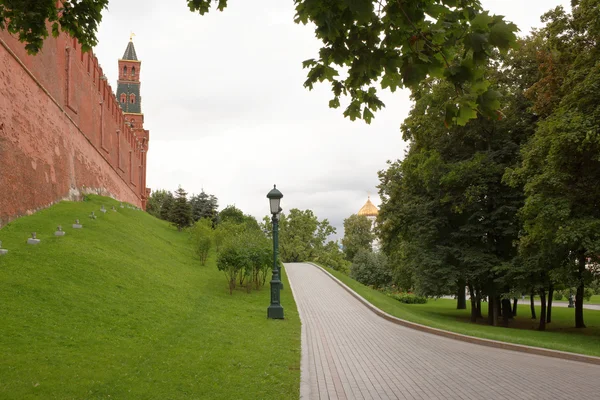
(62, 132)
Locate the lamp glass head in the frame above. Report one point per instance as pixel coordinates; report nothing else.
(274, 197)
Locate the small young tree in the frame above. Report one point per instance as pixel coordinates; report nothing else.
(181, 216)
(231, 260)
(202, 237)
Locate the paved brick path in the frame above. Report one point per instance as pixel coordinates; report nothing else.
(351, 353)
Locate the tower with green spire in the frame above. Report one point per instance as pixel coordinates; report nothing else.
(130, 100)
(128, 87)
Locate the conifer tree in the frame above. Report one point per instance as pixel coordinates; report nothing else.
(167, 207)
(204, 206)
(181, 215)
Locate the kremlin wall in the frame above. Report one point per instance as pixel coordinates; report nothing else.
(63, 133)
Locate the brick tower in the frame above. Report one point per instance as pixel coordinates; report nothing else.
(130, 100)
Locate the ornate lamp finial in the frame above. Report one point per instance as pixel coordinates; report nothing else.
(131, 35)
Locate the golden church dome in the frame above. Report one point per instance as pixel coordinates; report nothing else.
(369, 209)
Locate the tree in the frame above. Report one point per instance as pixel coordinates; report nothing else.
(387, 43)
(167, 206)
(155, 202)
(181, 215)
(560, 165)
(371, 269)
(357, 235)
(331, 256)
(231, 214)
(446, 212)
(231, 260)
(302, 237)
(202, 237)
(27, 19)
(204, 206)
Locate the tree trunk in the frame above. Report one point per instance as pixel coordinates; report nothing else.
(542, 326)
(549, 310)
(532, 304)
(498, 303)
(579, 294)
(491, 310)
(473, 303)
(496, 311)
(461, 297)
(506, 312)
(478, 296)
(514, 308)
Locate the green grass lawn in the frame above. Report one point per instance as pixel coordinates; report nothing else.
(122, 309)
(442, 314)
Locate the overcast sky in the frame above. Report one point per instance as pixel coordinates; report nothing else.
(224, 102)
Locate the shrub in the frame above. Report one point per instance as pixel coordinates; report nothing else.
(558, 295)
(244, 255)
(408, 298)
(231, 260)
(371, 269)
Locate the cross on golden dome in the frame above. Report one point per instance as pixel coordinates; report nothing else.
(369, 209)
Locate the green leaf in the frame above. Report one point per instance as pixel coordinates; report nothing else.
(367, 115)
(435, 10)
(480, 87)
(362, 9)
(451, 112)
(458, 74)
(489, 102)
(309, 63)
(481, 22)
(502, 35)
(465, 114)
(334, 103)
(413, 74)
(477, 41)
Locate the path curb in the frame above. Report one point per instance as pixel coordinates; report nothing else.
(465, 338)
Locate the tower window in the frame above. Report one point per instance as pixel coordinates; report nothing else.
(132, 98)
(123, 98)
(132, 71)
(125, 70)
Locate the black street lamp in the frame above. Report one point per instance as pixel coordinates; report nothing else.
(275, 310)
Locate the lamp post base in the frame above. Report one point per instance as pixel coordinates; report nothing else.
(275, 312)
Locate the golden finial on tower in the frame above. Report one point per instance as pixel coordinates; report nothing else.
(131, 35)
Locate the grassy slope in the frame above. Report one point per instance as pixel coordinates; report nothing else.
(442, 314)
(123, 309)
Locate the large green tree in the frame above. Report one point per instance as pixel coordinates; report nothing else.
(365, 44)
(561, 162)
(357, 235)
(446, 213)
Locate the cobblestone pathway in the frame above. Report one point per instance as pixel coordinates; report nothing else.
(351, 353)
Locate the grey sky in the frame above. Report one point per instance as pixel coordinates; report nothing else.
(224, 102)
